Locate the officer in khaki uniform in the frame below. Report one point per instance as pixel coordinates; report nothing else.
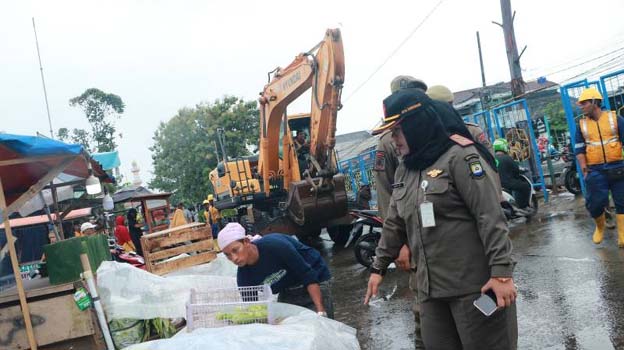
(386, 163)
(442, 93)
(445, 207)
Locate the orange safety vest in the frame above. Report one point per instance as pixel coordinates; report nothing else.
(602, 141)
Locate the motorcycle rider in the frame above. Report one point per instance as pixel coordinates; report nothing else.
(510, 175)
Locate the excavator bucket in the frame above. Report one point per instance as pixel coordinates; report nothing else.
(317, 200)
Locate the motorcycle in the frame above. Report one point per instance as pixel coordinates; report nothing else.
(571, 179)
(365, 243)
(510, 207)
(120, 255)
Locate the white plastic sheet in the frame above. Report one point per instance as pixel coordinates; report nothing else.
(128, 292)
(299, 329)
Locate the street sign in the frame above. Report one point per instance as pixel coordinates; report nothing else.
(541, 127)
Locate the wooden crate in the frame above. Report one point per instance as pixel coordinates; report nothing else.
(194, 239)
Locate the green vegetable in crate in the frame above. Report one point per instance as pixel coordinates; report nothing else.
(244, 315)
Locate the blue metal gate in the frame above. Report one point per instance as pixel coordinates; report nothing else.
(513, 122)
(484, 120)
(358, 170)
(612, 85)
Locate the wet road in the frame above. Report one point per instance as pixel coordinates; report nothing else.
(570, 291)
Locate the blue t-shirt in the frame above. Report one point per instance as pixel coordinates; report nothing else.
(283, 263)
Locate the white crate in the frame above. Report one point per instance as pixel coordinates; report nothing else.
(221, 307)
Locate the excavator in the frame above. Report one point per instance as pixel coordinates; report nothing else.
(290, 187)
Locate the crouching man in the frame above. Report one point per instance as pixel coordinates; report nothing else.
(292, 269)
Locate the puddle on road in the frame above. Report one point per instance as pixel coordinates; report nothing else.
(571, 292)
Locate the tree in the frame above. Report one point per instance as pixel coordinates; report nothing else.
(184, 149)
(101, 109)
(556, 116)
(79, 136)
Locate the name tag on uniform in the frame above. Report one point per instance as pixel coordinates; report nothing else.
(427, 217)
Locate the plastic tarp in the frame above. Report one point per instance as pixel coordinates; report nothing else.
(128, 292)
(299, 329)
(18, 147)
(108, 160)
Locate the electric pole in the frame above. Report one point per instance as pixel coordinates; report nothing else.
(513, 59)
(45, 92)
(481, 61)
(481, 91)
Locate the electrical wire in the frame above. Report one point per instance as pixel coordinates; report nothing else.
(409, 36)
(584, 62)
(583, 57)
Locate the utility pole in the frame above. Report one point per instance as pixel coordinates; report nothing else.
(481, 60)
(513, 59)
(481, 91)
(45, 93)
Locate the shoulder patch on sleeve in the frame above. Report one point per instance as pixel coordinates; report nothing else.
(476, 169)
(471, 156)
(461, 140)
(380, 161)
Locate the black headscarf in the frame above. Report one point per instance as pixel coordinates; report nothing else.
(427, 125)
(454, 124)
(424, 132)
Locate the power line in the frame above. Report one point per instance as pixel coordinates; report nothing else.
(585, 62)
(583, 57)
(594, 69)
(409, 36)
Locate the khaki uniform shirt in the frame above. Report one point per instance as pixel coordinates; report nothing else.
(469, 243)
(479, 135)
(386, 163)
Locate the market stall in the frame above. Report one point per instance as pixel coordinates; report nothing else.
(27, 165)
(154, 206)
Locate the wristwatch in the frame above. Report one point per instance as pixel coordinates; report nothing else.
(377, 271)
(502, 279)
(322, 313)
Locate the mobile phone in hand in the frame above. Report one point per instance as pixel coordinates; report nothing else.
(486, 303)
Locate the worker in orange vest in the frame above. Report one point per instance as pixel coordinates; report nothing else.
(598, 149)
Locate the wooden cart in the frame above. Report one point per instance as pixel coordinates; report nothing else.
(57, 321)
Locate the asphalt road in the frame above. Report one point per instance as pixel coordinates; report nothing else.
(571, 292)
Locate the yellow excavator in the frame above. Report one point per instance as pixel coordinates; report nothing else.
(292, 185)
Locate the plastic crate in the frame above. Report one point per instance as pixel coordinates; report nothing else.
(228, 306)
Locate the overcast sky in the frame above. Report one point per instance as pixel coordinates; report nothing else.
(160, 56)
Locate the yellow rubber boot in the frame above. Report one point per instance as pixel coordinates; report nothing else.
(600, 227)
(620, 229)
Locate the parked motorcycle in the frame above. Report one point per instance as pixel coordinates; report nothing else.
(120, 255)
(366, 233)
(510, 207)
(571, 179)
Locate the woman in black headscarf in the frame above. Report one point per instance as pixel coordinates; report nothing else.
(135, 230)
(445, 207)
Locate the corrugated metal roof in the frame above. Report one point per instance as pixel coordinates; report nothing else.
(42, 219)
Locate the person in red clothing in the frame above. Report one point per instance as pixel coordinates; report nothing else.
(123, 235)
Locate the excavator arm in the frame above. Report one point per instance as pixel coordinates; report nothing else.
(321, 69)
(316, 195)
(326, 94)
